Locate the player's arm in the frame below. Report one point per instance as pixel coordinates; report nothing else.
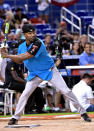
(92, 101)
(16, 77)
(58, 62)
(1, 78)
(17, 58)
(27, 55)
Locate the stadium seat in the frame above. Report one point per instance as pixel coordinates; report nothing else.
(36, 21)
(53, 32)
(1, 23)
(9, 100)
(31, 15)
(82, 13)
(41, 36)
(2, 95)
(38, 31)
(86, 20)
(42, 26)
(45, 31)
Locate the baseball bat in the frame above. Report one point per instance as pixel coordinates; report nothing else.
(6, 33)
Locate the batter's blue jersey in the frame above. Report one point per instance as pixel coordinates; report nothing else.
(40, 65)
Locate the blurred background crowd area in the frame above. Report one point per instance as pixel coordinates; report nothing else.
(67, 30)
(28, 9)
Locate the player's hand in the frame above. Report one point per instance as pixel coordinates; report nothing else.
(58, 62)
(4, 49)
(4, 52)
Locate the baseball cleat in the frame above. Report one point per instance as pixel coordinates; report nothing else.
(85, 117)
(13, 121)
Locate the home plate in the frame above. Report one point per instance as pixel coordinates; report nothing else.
(22, 126)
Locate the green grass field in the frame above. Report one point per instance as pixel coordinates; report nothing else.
(46, 114)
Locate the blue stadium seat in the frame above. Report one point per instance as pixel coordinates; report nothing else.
(1, 23)
(13, 9)
(21, 7)
(38, 31)
(41, 36)
(82, 13)
(53, 32)
(31, 15)
(45, 31)
(42, 26)
(86, 20)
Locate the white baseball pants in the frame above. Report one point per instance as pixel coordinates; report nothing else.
(58, 82)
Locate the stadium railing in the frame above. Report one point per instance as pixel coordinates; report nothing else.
(72, 19)
(91, 33)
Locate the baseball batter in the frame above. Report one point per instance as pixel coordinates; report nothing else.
(41, 66)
